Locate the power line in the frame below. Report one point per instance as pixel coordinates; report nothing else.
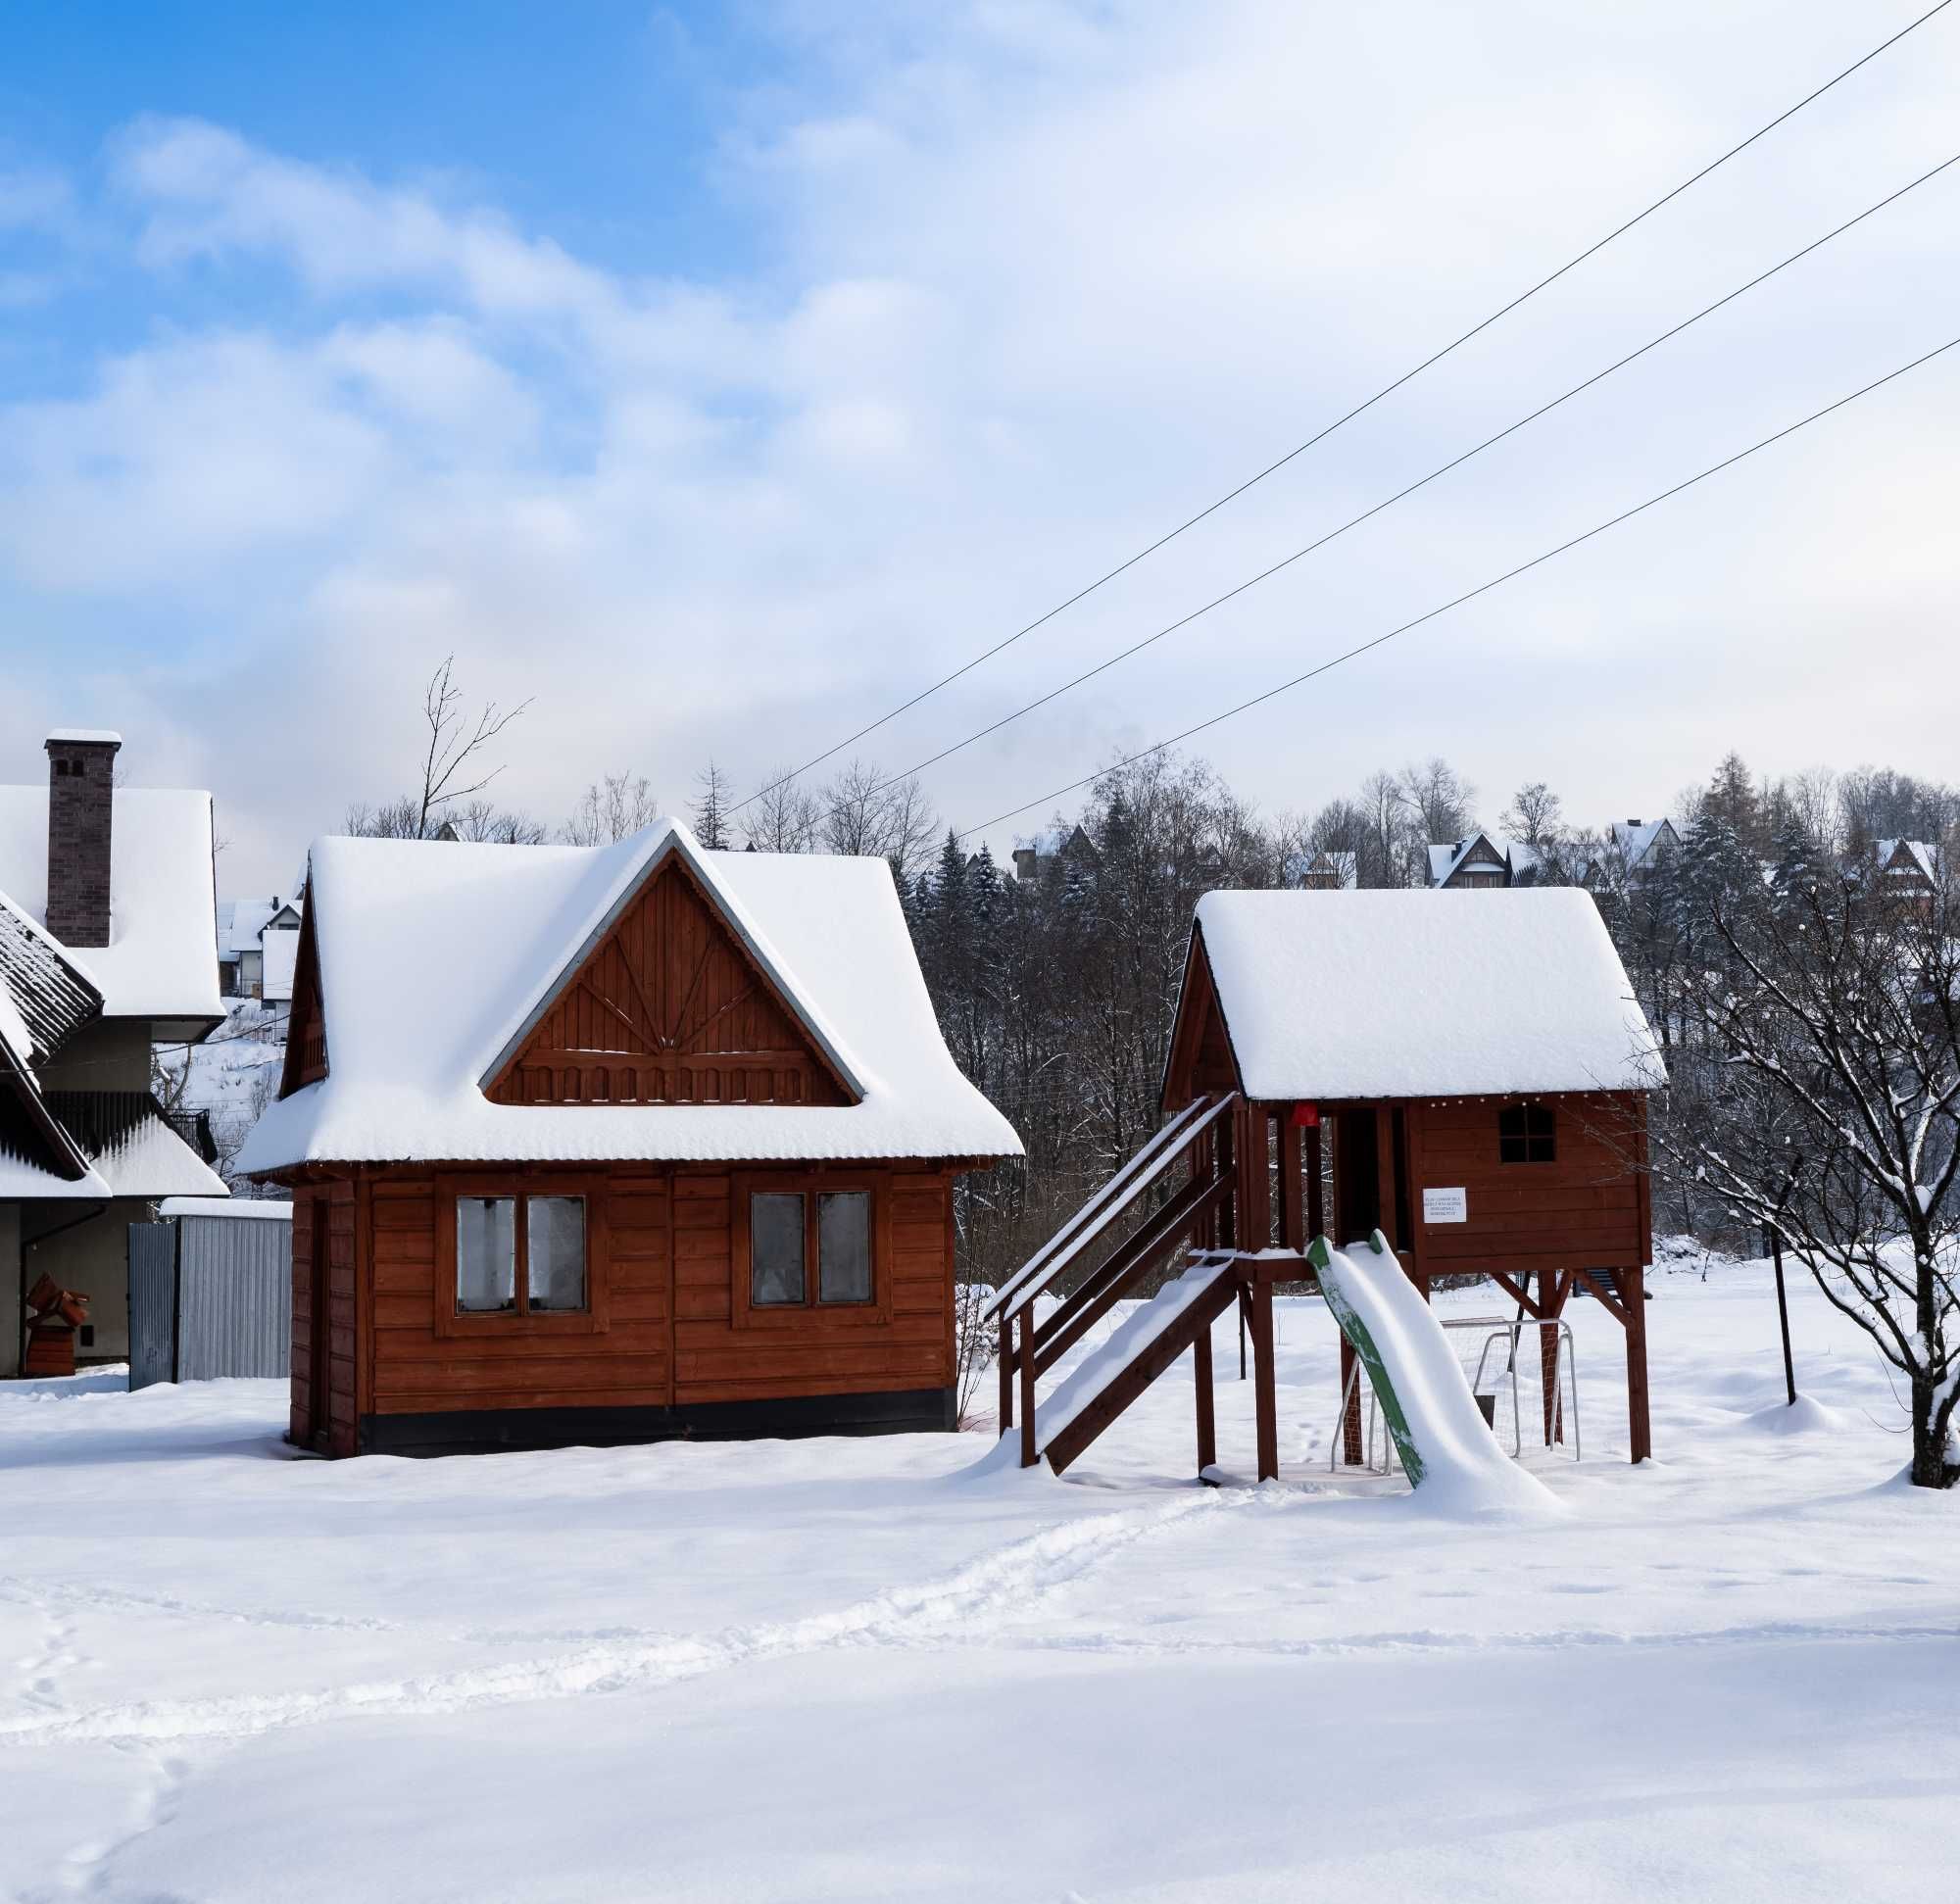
(1470, 595)
(1422, 482)
(1321, 435)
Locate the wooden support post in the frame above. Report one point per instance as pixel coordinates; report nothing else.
(1632, 1299)
(1293, 1208)
(1030, 1454)
(1551, 1299)
(1317, 1217)
(1385, 1174)
(1266, 1393)
(1207, 1423)
(1351, 1420)
(1006, 1371)
(1255, 1148)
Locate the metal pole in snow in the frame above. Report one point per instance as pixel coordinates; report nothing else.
(1775, 1228)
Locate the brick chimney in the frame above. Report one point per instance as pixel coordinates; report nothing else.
(82, 766)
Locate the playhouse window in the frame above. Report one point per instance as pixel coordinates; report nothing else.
(535, 1266)
(1525, 1135)
(791, 1231)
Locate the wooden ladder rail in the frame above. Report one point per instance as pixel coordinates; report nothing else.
(1193, 1326)
(1041, 1346)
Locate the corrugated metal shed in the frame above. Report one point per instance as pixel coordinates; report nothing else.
(210, 1296)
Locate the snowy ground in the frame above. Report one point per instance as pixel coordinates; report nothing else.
(850, 1670)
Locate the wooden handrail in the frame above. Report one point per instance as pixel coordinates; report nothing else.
(1114, 1280)
(1101, 1209)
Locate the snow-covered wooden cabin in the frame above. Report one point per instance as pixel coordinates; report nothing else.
(1469, 1079)
(659, 1142)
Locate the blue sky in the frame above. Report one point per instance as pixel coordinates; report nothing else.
(718, 377)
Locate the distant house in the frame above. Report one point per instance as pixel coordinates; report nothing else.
(1331, 872)
(106, 952)
(1908, 873)
(1078, 850)
(670, 1151)
(1479, 861)
(258, 940)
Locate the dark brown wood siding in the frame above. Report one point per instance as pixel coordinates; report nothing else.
(666, 1329)
(668, 1008)
(1584, 1208)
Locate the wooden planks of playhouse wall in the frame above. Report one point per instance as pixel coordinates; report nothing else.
(668, 1324)
(1588, 1207)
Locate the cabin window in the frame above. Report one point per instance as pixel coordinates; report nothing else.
(1525, 1135)
(775, 1247)
(486, 1254)
(791, 1233)
(844, 1246)
(519, 1263)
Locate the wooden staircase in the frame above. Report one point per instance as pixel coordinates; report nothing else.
(1196, 1216)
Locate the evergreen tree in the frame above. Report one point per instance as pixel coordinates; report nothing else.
(707, 810)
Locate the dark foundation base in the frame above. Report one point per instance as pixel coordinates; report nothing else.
(489, 1431)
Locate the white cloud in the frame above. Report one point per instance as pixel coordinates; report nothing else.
(1038, 281)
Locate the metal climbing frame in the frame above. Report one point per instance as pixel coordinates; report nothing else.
(1497, 1329)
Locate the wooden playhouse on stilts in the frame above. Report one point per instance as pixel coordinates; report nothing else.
(1463, 1079)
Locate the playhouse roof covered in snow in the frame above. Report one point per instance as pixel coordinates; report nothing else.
(161, 961)
(492, 930)
(1419, 994)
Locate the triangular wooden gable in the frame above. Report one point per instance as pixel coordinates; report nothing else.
(1202, 1060)
(668, 1008)
(305, 1016)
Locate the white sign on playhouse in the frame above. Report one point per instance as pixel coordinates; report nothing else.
(1445, 1205)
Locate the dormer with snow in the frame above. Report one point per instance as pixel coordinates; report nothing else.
(666, 1143)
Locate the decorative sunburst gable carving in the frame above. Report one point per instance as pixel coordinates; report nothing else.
(670, 1007)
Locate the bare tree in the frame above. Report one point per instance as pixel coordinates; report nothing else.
(1832, 1114)
(614, 805)
(480, 820)
(455, 746)
(453, 772)
(1533, 815)
(1439, 798)
(781, 817)
(861, 811)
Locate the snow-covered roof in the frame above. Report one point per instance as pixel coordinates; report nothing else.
(96, 735)
(1448, 856)
(281, 947)
(160, 961)
(1392, 995)
(264, 1209)
(130, 1146)
(1635, 839)
(495, 928)
(1922, 854)
(44, 996)
(241, 922)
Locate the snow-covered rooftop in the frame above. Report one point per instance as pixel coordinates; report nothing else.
(491, 929)
(264, 1209)
(98, 736)
(281, 949)
(160, 961)
(1395, 995)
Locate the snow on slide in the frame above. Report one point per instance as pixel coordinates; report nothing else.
(1447, 1451)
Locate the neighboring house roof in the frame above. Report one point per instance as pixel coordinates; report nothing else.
(131, 1146)
(1342, 867)
(1635, 839)
(281, 947)
(45, 995)
(159, 963)
(1909, 859)
(248, 918)
(1392, 996)
(1449, 858)
(264, 1209)
(495, 931)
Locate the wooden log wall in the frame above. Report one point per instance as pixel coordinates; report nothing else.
(661, 1268)
(1588, 1206)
